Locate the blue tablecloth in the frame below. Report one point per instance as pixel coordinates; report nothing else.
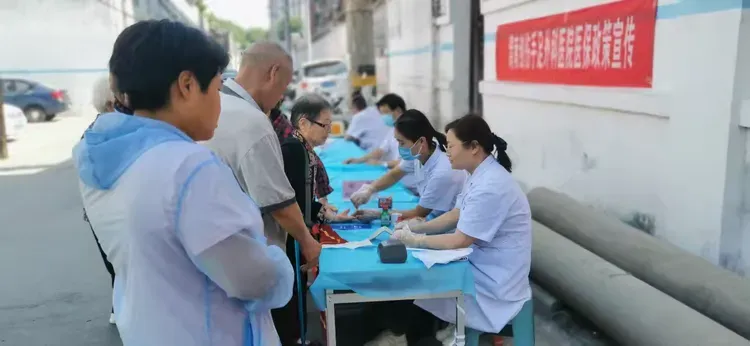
(360, 270)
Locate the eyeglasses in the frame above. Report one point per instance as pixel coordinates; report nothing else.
(325, 126)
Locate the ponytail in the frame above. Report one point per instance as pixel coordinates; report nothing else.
(442, 141)
(471, 129)
(414, 125)
(500, 155)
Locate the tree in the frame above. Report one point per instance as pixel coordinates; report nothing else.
(295, 25)
(243, 37)
(253, 35)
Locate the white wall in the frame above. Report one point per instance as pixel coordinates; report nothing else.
(675, 157)
(64, 44)
(332, 45)
(411, 49)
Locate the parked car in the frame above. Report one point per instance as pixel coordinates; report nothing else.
(38, 102)
(15, 121)
(329, 76)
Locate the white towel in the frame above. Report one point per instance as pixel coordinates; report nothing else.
(350, 245)
(432, 257)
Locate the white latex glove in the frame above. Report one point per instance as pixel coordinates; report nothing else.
(410, 239)
(362, 196)
(410, 223)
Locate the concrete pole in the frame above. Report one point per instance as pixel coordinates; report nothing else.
(460, 15)
(713, 291)
(3, 135)
(627, 309)
(308, 30)
(360, 43)
(287, 29)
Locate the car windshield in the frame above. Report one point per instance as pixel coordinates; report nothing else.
(325, 69)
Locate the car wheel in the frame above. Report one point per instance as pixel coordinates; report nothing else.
(35, 114)
(49, 117)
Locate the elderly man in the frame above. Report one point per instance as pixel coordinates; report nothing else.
(246, 141)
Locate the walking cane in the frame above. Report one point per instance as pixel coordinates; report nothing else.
(300, 294)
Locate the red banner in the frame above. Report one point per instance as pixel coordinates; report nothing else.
(607, 45)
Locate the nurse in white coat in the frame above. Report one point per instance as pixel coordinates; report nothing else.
(193, 266)
(421, 149)
(492, 216)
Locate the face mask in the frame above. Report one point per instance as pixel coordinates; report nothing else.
(406, 154)
(388, 120)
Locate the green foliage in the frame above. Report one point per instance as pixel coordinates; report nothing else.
(295, 24)
(243, 37)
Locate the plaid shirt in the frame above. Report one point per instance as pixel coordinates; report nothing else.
(284, 129)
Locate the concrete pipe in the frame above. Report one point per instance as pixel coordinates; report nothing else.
(629, 310)
(712, 291)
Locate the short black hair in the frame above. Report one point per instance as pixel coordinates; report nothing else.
(148, 57)
(472, 129)
(358, 101)
(308, 106)
(393, 102)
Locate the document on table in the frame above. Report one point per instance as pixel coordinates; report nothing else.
(432, 257)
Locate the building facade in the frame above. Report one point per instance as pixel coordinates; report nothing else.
(669, 154)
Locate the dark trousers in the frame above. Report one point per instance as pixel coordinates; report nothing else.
(287, 319)
(107, 264)
(403, 317)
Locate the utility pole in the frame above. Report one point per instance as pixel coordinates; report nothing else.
(308, 31)
(3, 135)
(360, 43)
(287, 29)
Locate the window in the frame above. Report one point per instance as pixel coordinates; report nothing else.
(15, 87)
(323, 69)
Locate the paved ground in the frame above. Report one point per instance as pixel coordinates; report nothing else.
(53, 288)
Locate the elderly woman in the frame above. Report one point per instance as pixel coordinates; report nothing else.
(311, 118)
(193, 266)
(103, 101)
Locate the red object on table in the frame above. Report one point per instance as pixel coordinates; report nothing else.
(326, 235)
(385, 203)
(609, 45)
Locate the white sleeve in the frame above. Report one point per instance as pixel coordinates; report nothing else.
(356, 129)
(482, 213)
(407, 166)
(221, 229)
(439, 192)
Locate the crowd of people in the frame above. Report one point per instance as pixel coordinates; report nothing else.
(202, 195)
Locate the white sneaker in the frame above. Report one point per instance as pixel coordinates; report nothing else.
(446, 335)
(112, 318)
(387, 338)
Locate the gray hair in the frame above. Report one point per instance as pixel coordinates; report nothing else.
(102, 95)
(308, 106)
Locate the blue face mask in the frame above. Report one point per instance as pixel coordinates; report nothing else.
(388, 120)
(406, 154)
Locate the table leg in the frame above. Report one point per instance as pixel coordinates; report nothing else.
(460, 321)
(330, 319)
